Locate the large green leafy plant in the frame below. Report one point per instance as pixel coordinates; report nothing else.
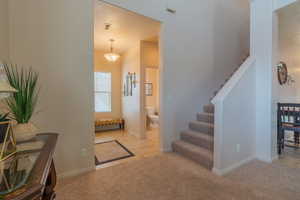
(22, 103)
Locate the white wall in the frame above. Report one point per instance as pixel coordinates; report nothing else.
(115, 68)
(189, 55)
(57, 41)
(4, 38)
(265, 39)
(231, 37)
(264, 48)
(235, 120)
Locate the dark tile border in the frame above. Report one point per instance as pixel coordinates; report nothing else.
(97, 162)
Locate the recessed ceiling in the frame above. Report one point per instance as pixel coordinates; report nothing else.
(126, 28)
(289, 35)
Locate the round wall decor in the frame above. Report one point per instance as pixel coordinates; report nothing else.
(282, 73)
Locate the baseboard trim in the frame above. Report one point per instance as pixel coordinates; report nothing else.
(222, 172)
(269, 160)
(275, 158)
(75, 172)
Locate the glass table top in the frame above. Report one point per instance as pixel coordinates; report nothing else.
(15, 171)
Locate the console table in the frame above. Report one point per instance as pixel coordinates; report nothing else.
(30, 174)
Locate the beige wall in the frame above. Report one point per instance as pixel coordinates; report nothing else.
(289, 47)
(102, 65)
(152, 77)
(150, 62)
(136, 59)
(4, 45)
(150, 54)
(132, 106)
(57, 41)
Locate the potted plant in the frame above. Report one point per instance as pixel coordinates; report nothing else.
(22, 103)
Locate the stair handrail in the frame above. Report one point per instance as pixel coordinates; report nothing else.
(230, 84)
(222, 118)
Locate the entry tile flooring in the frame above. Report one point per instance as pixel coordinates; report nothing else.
(141, 148)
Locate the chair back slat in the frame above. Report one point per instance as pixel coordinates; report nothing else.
(288, 113)
(288, 119)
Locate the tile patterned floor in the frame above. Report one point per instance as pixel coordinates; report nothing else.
(141, 148)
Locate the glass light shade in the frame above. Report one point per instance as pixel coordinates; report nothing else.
(112, 57)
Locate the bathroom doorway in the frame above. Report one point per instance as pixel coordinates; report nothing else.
(152, 97)
(150, 50)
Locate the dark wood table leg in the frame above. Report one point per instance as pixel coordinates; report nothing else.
(49, 193)
(279, 141)
(296, 138)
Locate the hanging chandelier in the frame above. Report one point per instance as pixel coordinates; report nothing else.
(111, 57)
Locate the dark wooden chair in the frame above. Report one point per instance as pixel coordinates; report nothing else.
(288, 119)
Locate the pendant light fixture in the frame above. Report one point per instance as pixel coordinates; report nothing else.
(111, 57)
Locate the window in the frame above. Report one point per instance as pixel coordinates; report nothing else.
(102, 91)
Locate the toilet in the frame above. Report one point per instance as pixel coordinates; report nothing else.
(152, 117)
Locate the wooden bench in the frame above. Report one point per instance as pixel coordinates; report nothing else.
(109, 122)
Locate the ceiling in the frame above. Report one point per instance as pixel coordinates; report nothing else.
(126, 29)
(289, 35)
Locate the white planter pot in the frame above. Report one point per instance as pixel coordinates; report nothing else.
(24, 132)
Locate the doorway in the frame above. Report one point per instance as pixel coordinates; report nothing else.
(125, 46)
(288, 90)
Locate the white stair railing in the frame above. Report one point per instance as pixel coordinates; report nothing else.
(235, 120)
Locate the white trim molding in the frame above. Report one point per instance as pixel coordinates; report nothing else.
(223, 93)
(222, 172)
(278, 4)
(75, 172)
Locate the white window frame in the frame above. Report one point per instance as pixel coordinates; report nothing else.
(99, 91)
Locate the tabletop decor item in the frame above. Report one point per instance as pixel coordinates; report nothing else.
(7, 140)
(22, 103)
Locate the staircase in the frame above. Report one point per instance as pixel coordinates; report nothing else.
(197, 143)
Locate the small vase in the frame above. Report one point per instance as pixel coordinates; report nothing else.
(24, 132)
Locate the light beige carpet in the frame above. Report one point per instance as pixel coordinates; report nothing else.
(282, 177)
(110, 151)
(163, 177)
